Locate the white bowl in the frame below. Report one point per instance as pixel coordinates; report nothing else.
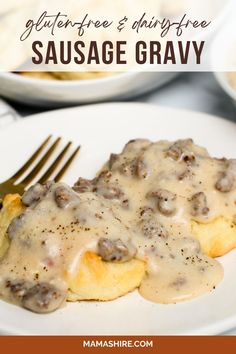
(225, 85)
(47, 93)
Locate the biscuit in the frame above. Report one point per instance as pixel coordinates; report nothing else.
(217, 237)
(12, 207)
(99, 280)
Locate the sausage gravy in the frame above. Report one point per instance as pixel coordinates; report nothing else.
(140, 205)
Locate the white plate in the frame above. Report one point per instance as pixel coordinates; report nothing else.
(102, 129)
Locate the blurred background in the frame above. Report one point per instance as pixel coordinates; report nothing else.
(26, 93)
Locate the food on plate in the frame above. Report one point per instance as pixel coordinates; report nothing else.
(46, 263)
(60, 75)
(37, 75)
(97, 279)
(153, 218)
(231, 77)
(12, 207)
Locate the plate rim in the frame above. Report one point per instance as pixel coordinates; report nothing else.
(51, 112)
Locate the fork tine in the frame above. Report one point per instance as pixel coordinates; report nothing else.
(28, 163)
(40, 164)
(54, 165)
(67, 165)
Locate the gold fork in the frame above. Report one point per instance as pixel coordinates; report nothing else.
(12, 185)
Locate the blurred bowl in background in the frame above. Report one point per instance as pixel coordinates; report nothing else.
(56, 93)
(227, 81)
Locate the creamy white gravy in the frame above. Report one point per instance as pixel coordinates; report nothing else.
(141, 205)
